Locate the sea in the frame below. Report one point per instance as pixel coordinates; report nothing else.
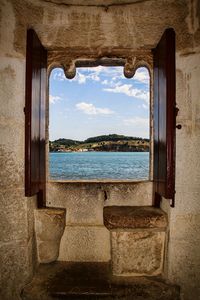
(99, 165)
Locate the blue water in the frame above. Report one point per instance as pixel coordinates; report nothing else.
(99, 165)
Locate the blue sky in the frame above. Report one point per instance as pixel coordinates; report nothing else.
(98, 101)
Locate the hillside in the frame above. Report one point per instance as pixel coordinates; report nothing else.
(109, 143)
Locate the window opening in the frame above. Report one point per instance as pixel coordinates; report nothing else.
(99, 125)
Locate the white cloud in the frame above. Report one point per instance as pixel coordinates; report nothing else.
(141, 75)
(83, 75)
(59, 75)
(137, 121)
(105, 82)
(138, 126)
(80, 78)
(116, 73)
(91, 74)
(128, 90)
(54, 99)
(94, 73)
(145, 106)
(90, 109)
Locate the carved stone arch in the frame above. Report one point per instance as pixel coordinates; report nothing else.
(130, 62)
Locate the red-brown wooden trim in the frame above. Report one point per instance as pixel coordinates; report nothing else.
(164, 117)
(28, 118)
(35, 119)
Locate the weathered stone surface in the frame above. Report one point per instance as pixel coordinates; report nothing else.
(186, 233)
(184, 262)
(72, 26)
(190, 161)
(12, 122)
(191, 193)
(13, 217)
(132, 193)
(137, 253)
(31, 205)
(81, 281)
(85, 243)
(48, 251)
(92, 3)
(183, 248)
(49, 223)
(84, 201)
(16, 269)
(97, 30)
(12, 70)
(49, 227)
(11, 165)
(134, 217)
(7, 28)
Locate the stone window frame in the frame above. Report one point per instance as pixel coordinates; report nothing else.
(70, 59)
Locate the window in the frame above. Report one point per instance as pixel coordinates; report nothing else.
(99, 125)
(163, 117)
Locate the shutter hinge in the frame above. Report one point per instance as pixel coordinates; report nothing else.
(176, 110)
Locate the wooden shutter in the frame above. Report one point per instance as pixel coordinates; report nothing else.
(164, 117)
(35, 110)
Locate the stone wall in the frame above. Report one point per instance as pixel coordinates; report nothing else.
(85, 237)
(100, 30)
(183, 266)
(183, 259)
(17, 244)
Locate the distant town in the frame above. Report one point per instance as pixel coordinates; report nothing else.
(108, 143)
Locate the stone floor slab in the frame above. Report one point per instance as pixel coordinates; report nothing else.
(93, 281)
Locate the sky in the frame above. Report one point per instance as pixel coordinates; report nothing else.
(98, 101)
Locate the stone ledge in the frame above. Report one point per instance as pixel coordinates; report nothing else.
(134, 217)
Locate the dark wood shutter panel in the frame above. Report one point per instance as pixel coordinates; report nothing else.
(35, 110)
(164, 117)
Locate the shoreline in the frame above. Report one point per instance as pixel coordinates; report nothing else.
(99, 151)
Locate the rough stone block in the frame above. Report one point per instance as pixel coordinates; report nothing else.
(11, 162)
(134, 217)
(49, 227)
(186, 202)
(188, 153)
(85, 243)
(137, 253)
(184, 266)
(84, 202)
(133, 193)
(48, 251)
(12, 70)
(15, 269)
(185, 227)
(13, 215)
